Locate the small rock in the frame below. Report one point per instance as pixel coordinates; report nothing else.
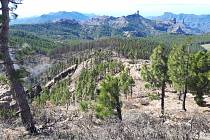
(4, 105)
(141, 96)
(13, 104)
(8, 93)
(144, 102)
(6, 98)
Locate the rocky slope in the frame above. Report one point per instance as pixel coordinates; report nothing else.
(6, 99)
(141, 118)
(201, 22)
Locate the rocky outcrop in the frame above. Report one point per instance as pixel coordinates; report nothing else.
(6, 99)
(200, 22)
(61, 76)
(177, 30)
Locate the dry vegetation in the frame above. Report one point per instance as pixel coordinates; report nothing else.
(141, 118)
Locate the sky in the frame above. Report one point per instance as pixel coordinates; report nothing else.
(114, 7)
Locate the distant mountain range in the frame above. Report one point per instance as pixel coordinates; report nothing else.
(46, 18)
(67, 25)
(201, 22)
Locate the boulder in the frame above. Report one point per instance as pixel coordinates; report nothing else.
(4, 105)
(6, 98)
(144, 102)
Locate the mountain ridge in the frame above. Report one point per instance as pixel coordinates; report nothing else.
(133, 25)
(46, 18)
(201, 22)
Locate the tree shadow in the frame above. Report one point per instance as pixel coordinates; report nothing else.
(205, 104)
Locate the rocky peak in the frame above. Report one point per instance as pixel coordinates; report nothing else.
(65, 21)
(178, 30)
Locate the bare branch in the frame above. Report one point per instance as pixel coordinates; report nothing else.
(13, 62)
(16, 1)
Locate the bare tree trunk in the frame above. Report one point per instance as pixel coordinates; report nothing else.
(131, 90)
(184, 100)
(186, 83)
(16, 86)
(162, 98)
(180, 95)
(131, 86)
(118, 107)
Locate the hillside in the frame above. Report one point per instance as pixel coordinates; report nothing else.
(56, 120)
(64, 86)
(201, 22)
(68, 75)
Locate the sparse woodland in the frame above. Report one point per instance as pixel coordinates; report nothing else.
(112, 88)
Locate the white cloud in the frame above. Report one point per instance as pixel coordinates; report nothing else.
(113, 7)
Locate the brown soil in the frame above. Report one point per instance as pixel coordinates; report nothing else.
(60, 117)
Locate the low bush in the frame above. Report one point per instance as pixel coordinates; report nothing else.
(153, 96)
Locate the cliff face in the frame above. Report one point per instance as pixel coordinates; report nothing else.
(201, 22)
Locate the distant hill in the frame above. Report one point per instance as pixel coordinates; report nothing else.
(201, 22)
(46, 18)
(137, 26)
(133, 25)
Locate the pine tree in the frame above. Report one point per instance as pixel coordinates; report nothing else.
(109, 98)
(126, 82)
(156, 73)
(199, 82)
(16, 85)
(178, 65)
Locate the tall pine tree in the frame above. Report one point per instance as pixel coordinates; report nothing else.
(199, 68)
(178, 65)
(156, 73)
(12, 74)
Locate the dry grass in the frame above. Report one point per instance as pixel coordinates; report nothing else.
(141, 119)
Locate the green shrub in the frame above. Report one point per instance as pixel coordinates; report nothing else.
(7, 113)
(199, 100)
(3, 79)
(41, 100)
(147, 85)
(108, 101)
(59, 94)
(103, 111)
(153, 96)
(84, 105)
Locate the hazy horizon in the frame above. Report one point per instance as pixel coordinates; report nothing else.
(114, 8)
